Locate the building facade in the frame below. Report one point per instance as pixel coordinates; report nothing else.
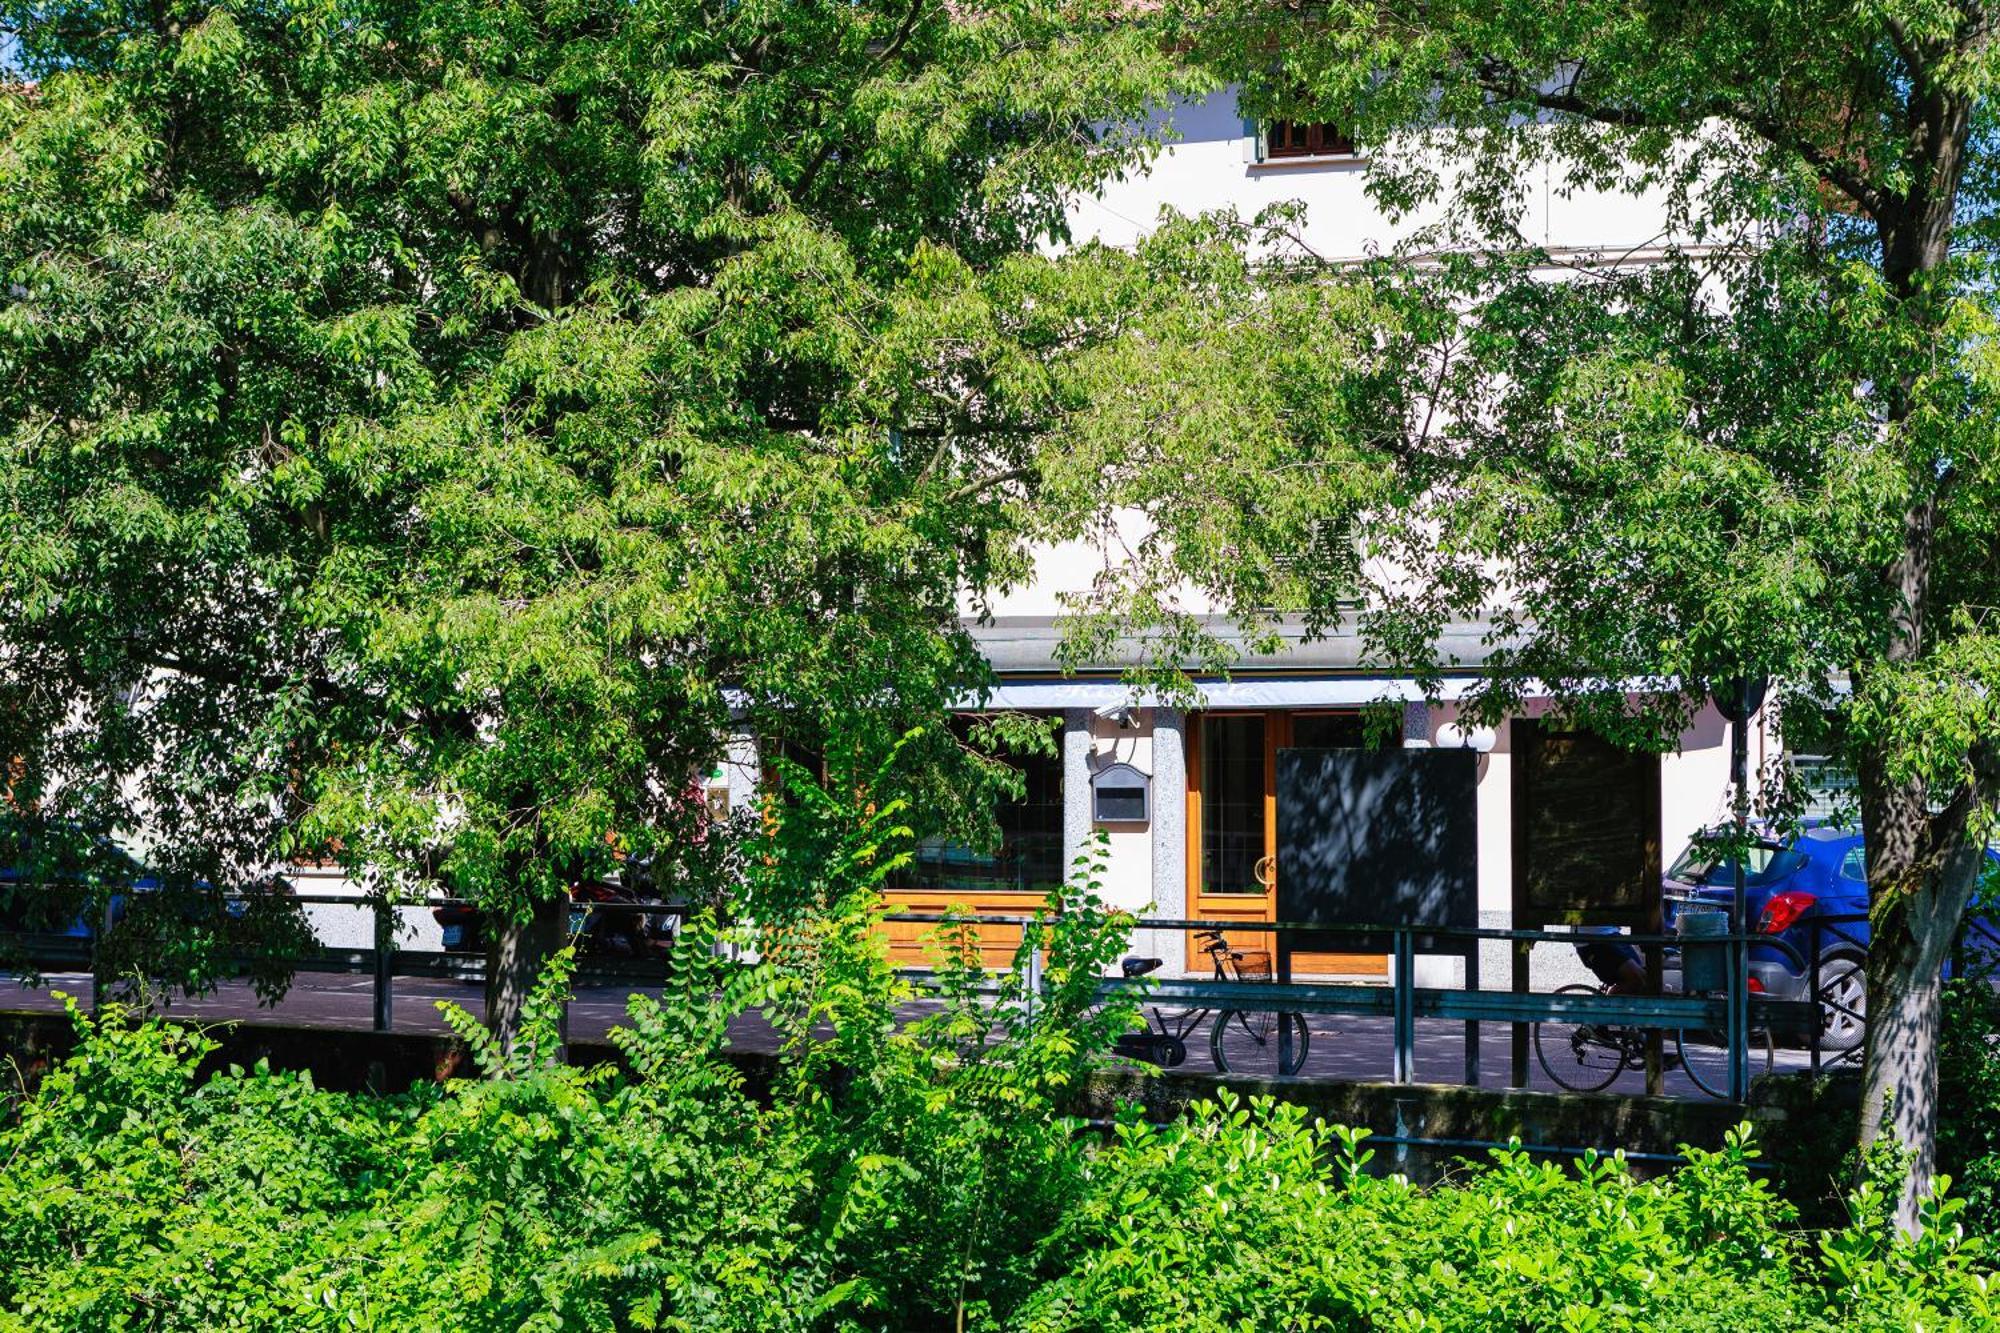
(1203, 841)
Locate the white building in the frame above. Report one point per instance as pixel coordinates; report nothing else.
(1207, 845)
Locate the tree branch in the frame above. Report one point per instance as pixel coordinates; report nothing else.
(1504, 81)
(890, 49)
(988, 482)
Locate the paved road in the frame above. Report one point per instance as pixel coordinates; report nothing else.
(1345, 1049)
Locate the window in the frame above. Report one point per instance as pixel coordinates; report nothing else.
(1029, 856)
(1854, 866)
(1232, 802)
(1300, 138)
(1337, 731)
(1765, 863)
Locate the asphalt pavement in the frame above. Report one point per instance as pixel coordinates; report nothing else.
(1339, 1048)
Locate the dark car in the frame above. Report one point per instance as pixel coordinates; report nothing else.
(1799, 890)
(607, 919)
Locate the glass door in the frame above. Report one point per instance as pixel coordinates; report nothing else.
(1233, 824)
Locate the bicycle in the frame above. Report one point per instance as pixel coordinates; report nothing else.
(1589, 1057)
(1258, 1042)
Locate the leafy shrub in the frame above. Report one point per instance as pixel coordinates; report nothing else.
(919, 1177)
(1969, 1070)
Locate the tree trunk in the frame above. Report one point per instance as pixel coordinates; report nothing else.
(1922, 879)
(515, 952)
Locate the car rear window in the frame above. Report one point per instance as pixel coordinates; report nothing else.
(1767, 863)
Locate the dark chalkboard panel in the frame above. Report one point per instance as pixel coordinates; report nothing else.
(1378, 837)
(1586, 830)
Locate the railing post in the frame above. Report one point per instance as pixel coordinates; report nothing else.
(97, 960)
(1739, 1019)
(1283, 975)
(1406, 1009)
(1472, 1024)
(385, 953)
(1518, 1072)
(1812, 991)
(1036, 981)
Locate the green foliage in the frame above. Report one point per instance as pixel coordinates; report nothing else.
(426, 428)
(902, 1173)
(1246, 1217)
(1759, 440)
(133, 1194)
(1969, 1076)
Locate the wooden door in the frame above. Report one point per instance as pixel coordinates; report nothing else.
(1233, 827)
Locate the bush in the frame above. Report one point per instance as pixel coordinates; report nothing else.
(935, 1183)
(913, 1177)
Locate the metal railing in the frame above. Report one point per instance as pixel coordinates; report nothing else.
(1401, 1000)
(1404, 1002)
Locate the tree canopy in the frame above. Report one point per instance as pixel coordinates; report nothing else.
(1767, 445)
(423, 427)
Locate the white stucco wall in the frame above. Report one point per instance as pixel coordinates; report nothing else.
(1208, 163)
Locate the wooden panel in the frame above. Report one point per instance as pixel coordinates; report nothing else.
(1310, 963)
(908, 945)
(1586, 830)
(1246, 908)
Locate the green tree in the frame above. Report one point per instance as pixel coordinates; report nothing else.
(425, 427)
(1772, 451)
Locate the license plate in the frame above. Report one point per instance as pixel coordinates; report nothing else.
(454, 936)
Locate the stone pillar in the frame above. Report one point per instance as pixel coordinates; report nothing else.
(1416, 720)
(1075, 787)
(1170, 868)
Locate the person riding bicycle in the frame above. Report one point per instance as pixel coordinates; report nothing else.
(1620, 966)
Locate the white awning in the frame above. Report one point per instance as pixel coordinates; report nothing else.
(1293, 692)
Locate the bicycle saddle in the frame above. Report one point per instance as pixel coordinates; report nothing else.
(1139, 967)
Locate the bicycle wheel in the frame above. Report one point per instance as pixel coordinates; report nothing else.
(1248, 1042)
(1705, 1058)
(1582, 1057)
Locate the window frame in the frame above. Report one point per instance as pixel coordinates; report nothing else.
(1315, 149)
(946, 866)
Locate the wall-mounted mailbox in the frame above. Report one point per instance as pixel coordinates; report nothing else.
(1121, 794)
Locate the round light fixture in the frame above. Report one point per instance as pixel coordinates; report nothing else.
(1453, 736)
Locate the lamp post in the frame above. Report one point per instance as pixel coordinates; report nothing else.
(1738, 700)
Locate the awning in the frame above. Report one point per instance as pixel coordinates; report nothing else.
(1281, 692)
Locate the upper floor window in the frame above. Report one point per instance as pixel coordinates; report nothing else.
(1301, 138)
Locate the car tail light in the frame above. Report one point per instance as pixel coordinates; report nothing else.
(1756, 986)
(1783, 910)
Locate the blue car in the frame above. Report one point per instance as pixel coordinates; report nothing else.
(31, 883)
(1796, 889)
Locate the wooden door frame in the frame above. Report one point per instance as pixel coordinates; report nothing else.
(1250, 907)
